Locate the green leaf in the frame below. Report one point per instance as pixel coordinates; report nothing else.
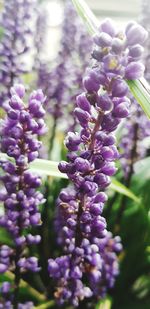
(120, 188)
(141, 92)
(46, 305)
(47, 168)
(87, 15)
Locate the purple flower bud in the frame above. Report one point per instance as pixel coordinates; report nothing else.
(5, 288)
(100, 197)
(108, 27)
(90, 187)
(83, 103)
(96, 209)
(103, 39)
(134, 70)
(136, 34)
(119, 88)
(35, 219)
(82, 116)
(82, 165)
(104, 102)
(107, 153)
(63, 167)
(3, 268)
(136, 51)
(18, 89)
(109, 169)
(72, 141)
(121, 111)
(117, 45)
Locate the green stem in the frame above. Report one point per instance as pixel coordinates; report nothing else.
(24, 284)
(129, 178)
(52, 138)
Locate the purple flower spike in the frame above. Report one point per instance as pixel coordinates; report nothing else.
(89, 249)
(19, 133)
(16, 23)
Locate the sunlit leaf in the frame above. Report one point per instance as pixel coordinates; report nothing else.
(104, 304)
(47, 168)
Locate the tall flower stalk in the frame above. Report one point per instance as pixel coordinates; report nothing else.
(19, 131)
(16, 21)
(63, 81)
(137, 126)
(89, 265)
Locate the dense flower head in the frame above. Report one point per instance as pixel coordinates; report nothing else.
(19, 131)
(16, 20)
(89, 265)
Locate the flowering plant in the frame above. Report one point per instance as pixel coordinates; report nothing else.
(75, 234)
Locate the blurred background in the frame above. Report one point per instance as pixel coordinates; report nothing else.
(121, 11)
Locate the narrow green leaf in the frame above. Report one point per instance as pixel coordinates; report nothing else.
(141, 92)
(46, 305)
(50, 168)
(120, 188)
(87, 15)
(47, 168)
(24, 284)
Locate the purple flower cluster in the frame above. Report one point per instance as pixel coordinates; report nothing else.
(17, 26)
(89, 265)
(21, 199)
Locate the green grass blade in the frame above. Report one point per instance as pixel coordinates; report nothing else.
(141, 92)
(46, 168)
(120, 188)
(87, 15)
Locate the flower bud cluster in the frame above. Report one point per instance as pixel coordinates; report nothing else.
(19, 131)
(89, 265)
